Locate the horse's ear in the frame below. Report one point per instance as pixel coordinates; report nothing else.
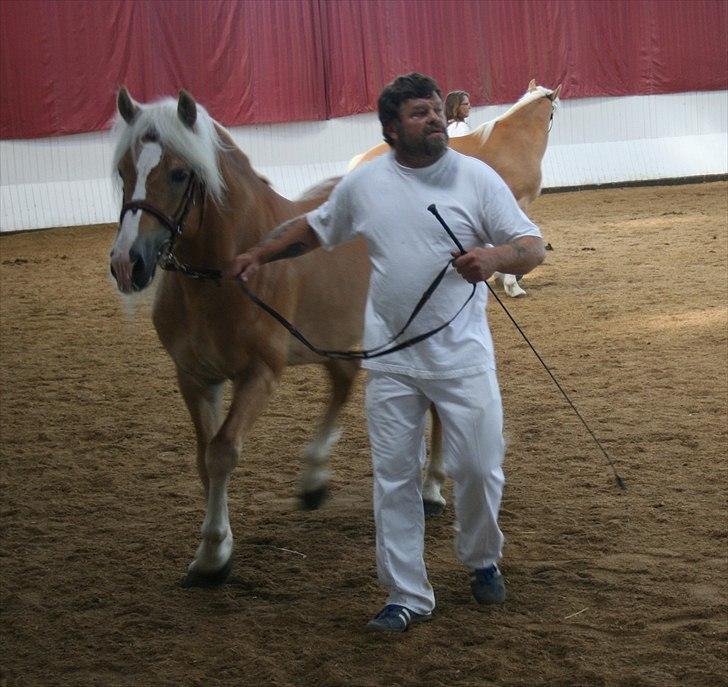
(187, 109)
(556, 92)
(532, 85)
(128, 109)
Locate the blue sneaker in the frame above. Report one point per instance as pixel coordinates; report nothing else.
(396, 618)
(488, 586)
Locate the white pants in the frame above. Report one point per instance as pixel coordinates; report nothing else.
(471, 413)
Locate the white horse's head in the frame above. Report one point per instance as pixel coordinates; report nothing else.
(166, 156)
(534, 92)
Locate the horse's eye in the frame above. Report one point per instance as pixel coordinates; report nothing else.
(177, 176)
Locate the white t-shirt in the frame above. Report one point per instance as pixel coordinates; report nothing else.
(386, 204)
(457, 129)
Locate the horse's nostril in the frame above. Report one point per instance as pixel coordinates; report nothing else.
(142, 272)
(113, 271)
(138, 271)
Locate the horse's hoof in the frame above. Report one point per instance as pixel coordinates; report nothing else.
(311, 500)
(195, 578)
(433, 508)
(515, 291)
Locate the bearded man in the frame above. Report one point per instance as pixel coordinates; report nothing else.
(386, 202)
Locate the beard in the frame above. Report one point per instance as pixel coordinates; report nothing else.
(423, 146)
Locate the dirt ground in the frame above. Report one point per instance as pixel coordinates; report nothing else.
(101, 504)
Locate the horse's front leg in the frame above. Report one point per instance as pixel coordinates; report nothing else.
(213, 559)
(203, 401)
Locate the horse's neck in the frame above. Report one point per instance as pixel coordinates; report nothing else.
(255, 207)
(514, 148)
(530, 124)
(248, 210)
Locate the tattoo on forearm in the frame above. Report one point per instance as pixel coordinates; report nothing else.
(278, 231)
(277, 241)
(292, 251)
(527, 253)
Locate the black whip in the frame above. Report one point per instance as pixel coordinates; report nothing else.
(619, 480)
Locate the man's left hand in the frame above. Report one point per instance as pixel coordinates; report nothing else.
(478, 264)
(519, 256)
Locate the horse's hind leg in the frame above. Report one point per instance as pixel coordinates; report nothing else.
(432, 499)
(511, 281)
(251, 392)
(315, 477)
(510, 284)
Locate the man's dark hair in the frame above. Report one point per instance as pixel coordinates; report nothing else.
(406, 87)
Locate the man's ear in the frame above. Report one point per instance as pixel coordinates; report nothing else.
(391, 130)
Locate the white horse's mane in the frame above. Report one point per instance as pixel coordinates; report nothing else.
(527, 98)
(199, 145)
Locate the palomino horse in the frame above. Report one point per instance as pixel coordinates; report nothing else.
(514, 145)
(185, 182)
(182, 174)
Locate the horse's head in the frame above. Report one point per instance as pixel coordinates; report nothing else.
(536, 92)
(538, 102)
(551, 93)
(166, 157)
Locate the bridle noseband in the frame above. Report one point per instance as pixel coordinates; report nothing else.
(166, 258)
(172, 223)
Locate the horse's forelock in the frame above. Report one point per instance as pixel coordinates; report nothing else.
(199, 146)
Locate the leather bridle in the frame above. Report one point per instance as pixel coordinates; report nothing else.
(167, 260)
(551, 96)
(174, 224)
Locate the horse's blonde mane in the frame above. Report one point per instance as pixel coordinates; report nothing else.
(527, 98)
(199, 146)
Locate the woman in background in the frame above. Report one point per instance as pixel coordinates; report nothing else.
(457, 109)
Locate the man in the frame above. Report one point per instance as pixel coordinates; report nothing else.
(385, 202)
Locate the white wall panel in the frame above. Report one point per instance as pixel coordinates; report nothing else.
(67, 180)
(581, 164)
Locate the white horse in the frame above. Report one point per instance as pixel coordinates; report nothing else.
(189, 190)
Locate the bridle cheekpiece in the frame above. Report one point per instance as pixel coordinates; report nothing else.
(174, 224)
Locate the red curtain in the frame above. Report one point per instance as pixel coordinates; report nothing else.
(63, 60)
(287, 60)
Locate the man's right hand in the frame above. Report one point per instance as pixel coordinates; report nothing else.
(293, 237)
(243, 266)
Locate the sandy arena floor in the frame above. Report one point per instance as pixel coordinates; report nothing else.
(101, 505)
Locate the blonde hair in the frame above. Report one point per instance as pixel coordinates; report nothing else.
(199, 145)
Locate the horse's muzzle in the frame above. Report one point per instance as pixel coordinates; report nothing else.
(142, 273)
